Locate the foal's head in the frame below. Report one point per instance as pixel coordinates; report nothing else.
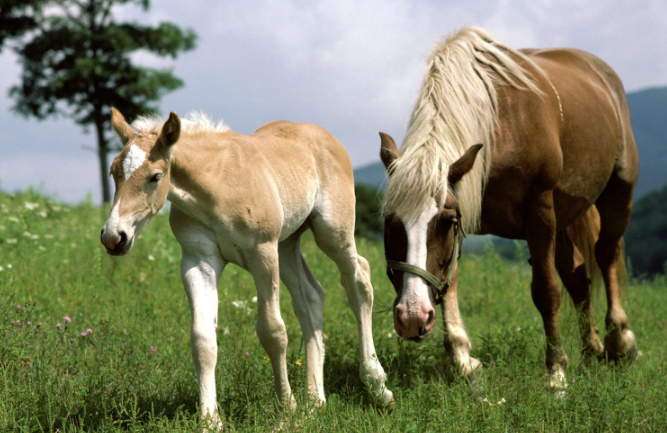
(141, 174)
(421, 251)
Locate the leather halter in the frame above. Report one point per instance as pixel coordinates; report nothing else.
(438, 288)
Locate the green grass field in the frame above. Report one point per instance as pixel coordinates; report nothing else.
(134, 371)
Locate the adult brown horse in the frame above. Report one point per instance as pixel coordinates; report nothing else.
(557, 167)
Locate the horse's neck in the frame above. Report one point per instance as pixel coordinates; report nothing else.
(185, 190)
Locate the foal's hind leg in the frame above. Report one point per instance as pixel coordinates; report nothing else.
(307, 300)
(263, 265)
(541, 236)
(337, 242)
(572, 270)
(614, 206)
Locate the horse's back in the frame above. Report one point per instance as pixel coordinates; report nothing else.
(572, 139)
(312, 169)
(596, 130)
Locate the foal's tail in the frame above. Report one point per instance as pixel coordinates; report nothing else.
(584, 234)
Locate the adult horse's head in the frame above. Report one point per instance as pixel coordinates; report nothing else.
(141, 174)
(422, 244)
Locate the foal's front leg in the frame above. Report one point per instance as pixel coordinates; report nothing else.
(200, 275)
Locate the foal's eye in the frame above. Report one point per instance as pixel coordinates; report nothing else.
(156, 177)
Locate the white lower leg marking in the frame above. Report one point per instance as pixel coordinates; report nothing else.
(133, 160)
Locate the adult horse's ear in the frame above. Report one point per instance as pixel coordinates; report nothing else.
(388, 151)
(170, 132)
(122, 128)
(463, 165)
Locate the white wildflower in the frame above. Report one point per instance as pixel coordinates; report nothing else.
(12, 241)
(41, 248)
(42, 214)
(239, 304)
(254, 299)
(225, 331)
(31, 236)
(31, 206)
(9, 266)
(48, 236)
(13, 219)
(151, 258)
(1, 268)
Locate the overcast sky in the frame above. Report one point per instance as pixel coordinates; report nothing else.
(351, 66)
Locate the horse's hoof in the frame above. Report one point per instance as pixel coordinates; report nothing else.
(621, 347)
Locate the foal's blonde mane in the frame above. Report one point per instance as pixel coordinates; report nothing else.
(456, 109)
(192, 124)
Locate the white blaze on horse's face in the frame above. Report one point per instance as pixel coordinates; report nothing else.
(141, 175)
(414, 315)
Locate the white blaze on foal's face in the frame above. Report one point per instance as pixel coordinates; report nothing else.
(134, 159)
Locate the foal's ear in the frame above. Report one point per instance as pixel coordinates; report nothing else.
(124, 131)
(388, 151)
(170, 132)
(463, 165)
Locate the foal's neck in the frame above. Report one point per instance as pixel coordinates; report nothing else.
(184, 188)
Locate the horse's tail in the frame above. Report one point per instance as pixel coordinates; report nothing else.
(584, 234)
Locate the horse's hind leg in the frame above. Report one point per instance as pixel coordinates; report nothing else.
(336, 239)
(614, 206)
(571, 267)
(307, 300)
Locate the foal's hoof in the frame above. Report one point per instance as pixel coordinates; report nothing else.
(386, 407)
(620, 346)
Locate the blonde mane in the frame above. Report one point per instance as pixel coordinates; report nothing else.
(192, 124)
(456, 109)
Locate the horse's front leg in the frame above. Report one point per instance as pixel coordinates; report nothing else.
(541, 237)
(457, 343)
(200, 273)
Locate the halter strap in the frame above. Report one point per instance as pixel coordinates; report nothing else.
(438, 288)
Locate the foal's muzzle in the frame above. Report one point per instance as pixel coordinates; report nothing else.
(116, 246)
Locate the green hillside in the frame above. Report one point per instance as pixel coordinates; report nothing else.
(648, 109)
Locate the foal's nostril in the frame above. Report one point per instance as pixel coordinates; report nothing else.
(123, 238)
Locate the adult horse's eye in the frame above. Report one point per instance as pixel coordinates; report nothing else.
(156, 177)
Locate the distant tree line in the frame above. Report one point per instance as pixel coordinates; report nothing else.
(369, 221)
(646, 237)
